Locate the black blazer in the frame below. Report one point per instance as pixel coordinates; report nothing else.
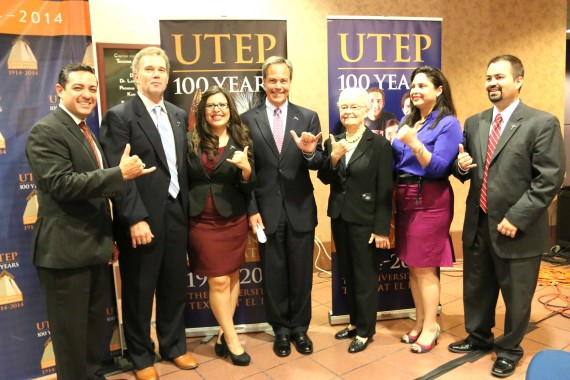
(525, 174)
(145, 196)
(361, 190)
(283, 180)
(229, 191)
(74, 227)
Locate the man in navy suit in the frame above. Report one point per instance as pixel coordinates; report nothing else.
(283, 204)
(151, 220)
(514, 156)
(73, 236)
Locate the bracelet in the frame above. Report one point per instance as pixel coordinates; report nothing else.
(309, 155)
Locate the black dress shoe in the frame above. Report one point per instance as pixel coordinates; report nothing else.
(345, 334)
(221, 349)
(464, 346)
(302, 342)
(503, 367)
(282, 345)
(357, 345)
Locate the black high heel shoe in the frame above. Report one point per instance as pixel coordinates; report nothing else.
(242, 360)
(221, 349)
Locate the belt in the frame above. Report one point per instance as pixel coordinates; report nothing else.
(410, 179)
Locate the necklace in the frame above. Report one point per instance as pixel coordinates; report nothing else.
(355, 137)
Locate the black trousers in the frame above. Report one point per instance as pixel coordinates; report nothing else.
(484, 275)
(158, 268)
(76, 299)
(287, 265)
(359, 270)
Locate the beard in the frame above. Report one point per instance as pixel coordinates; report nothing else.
(497, 97)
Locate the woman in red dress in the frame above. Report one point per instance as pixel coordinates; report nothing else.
(220, 180)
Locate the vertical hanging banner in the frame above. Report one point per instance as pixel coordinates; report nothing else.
(378, 54)
(228, 54)
(37, 38)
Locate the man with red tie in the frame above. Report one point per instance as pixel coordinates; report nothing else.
(514, 157)
(73, 239)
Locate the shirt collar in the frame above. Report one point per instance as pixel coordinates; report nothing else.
(507, 112)
(272, 108)
(75, 118)
(150, 105)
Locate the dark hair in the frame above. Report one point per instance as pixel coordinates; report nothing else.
(203, 137)
(444, 103)
(63, 77)
(517, 69)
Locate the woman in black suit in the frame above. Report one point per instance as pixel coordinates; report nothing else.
(359, 169)
(220, 181)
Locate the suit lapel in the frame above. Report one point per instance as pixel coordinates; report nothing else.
(227, 152)
(147, 125)
(290, 125)
(264, 127)
(364, 144)
(78, 133)
(178, 130)
(484, 128)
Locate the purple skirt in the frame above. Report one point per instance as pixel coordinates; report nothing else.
(422, 229)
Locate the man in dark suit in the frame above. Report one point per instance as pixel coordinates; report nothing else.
(514, 156)
(73, 240)
(151, 221)
(283, 204)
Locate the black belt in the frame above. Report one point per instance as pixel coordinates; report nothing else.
(410, 179)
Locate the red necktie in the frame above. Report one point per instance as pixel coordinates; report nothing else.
(493, 139)
(89, 137)
(278, 131)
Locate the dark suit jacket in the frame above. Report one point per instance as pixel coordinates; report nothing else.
(283, 179)
(361, 191)
(73, 228)
(144, 198)
(525, 174)
(229, 191)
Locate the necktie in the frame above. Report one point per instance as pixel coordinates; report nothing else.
(278, 130)
(89, 137)
(493, 139)
(167, 138)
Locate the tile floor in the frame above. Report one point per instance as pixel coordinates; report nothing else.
(385, 358)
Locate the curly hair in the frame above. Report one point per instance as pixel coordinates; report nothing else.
(203, 137)
(444, 104)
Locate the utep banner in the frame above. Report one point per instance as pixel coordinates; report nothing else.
(379, 53)
(37, 38)
(229, 54)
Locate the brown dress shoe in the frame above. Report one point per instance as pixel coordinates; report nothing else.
(148, 373)
(185, 361)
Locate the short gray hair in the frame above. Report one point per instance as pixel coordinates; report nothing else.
(151, 50)
(275, 60)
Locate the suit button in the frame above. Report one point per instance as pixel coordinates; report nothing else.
(281, 171)
(279, 193)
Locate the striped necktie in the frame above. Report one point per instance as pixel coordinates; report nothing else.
(89, 137)
(493, 140)
(278, 130)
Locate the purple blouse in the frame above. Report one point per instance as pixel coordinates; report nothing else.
(443, 143)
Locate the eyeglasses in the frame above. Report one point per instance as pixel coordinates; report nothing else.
(221, 106)
(352, 108)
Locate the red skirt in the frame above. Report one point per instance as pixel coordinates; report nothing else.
(422, 229)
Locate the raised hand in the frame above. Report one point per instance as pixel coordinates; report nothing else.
(464, 160)
(240, 159)
(307, 142)
(132, 166)
(407, 135)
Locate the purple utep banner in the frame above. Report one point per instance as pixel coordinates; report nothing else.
(378, 52)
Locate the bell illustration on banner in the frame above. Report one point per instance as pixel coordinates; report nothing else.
(48, 357)
(2, 142)
(193, 108)
(9, 290)
(31, 211)
(21, 56)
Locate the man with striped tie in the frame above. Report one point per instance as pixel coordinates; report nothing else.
(514, 157)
